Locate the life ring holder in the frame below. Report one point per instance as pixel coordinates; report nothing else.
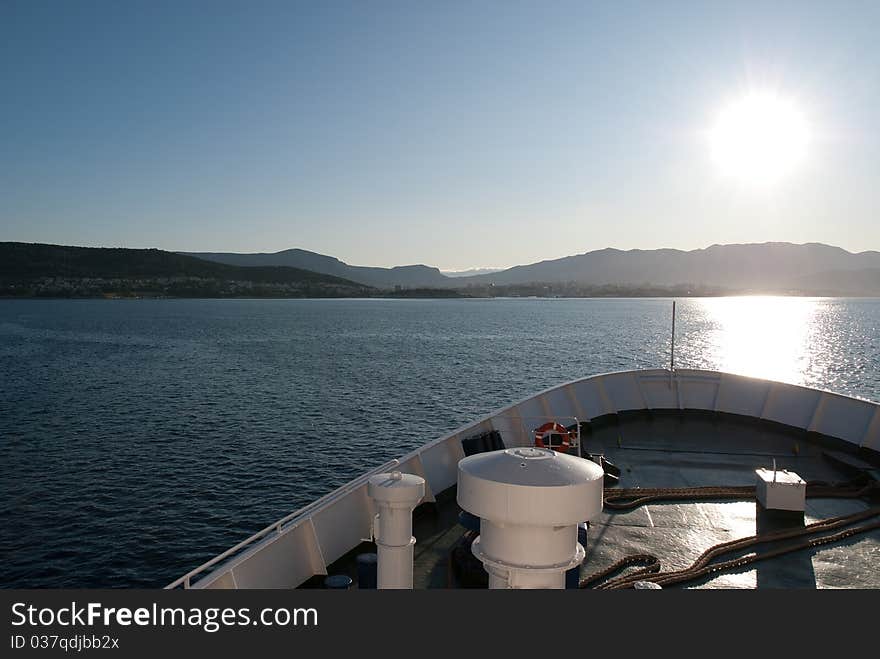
(554, 428)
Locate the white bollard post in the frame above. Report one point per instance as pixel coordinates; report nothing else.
(396, 495)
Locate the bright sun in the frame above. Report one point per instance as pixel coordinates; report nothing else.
(760, 138)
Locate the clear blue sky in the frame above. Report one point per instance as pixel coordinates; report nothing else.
(456, 134)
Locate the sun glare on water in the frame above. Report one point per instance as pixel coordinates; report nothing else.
(763, 337)
(760, 138)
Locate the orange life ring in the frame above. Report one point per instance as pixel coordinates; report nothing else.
(554, 428)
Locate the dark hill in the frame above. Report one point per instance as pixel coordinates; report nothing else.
(53, 269)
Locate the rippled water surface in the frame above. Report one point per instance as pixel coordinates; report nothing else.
(140, 438)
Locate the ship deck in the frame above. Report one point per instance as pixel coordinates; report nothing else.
(687, 449)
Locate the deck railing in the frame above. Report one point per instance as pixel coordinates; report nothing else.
(278, 526)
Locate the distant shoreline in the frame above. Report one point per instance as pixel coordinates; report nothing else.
(58, 271)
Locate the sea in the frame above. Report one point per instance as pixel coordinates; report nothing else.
(139, 438)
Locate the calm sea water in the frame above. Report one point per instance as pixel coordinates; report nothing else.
(140, 438)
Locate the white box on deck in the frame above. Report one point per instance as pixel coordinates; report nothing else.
(781, 490)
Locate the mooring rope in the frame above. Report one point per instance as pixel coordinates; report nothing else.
(627, 499)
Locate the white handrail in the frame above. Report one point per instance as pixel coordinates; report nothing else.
(280, 524)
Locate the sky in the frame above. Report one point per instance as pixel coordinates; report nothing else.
(455, 134)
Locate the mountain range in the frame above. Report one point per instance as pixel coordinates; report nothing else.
(771, 267)
(28, 269)
(811, 268)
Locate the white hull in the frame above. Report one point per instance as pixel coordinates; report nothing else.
(303, 544)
